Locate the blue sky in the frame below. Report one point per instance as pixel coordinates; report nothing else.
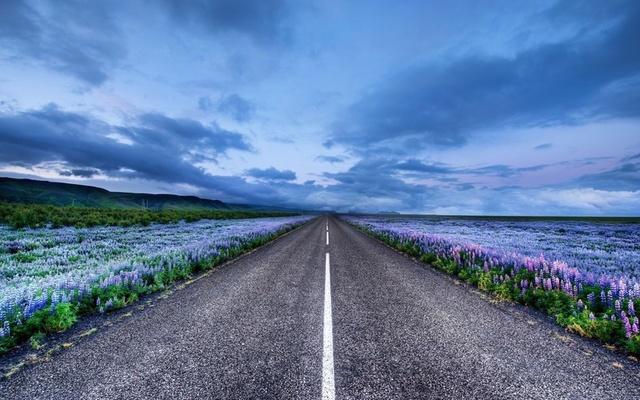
(455, 107)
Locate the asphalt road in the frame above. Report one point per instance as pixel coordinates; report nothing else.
(258, 327)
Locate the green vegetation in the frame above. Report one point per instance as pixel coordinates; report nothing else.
(28, 191)
(61, 316)
(555, 303)
(39, 215)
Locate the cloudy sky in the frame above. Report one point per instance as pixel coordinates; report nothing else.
(451, 107)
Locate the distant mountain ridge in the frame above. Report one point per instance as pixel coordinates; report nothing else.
(30, 191)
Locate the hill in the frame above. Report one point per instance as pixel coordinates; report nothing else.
(29, 191)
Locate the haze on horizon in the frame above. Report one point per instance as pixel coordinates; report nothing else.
(454, 107)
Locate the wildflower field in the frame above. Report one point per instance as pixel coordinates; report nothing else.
(51, 277)
(585, 274)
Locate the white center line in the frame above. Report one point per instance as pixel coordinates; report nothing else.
(327, 238)
(328, 385)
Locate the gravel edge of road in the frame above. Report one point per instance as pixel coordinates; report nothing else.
(23, 355)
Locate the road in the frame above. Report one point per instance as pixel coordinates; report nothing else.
(351, 319)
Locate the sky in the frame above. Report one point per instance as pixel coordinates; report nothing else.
(443, 107)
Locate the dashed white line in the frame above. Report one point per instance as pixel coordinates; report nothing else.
(328, 384)
(327, 238)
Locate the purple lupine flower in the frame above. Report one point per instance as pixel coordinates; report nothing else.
(592, 317)
(580, 304)
(627, 325)
(631, 308)
(618, 306)
(591, 298)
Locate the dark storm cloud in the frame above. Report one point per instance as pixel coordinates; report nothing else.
(263, 21)
(593, 74)
(160, 149)
(271, 174)
(73, 37)
(184, 135)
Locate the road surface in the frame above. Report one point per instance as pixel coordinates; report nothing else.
(327, 312)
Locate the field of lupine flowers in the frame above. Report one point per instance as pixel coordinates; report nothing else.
(51, 277)
(584, 274)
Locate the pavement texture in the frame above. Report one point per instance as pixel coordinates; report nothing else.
(401, 330)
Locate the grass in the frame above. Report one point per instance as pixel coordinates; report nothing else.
(19, 215)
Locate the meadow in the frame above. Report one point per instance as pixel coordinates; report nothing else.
(20, 215)
(50, 277)
(584, 273)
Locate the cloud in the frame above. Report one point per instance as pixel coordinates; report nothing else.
(264, 22)
(543, 146)
(271, 174)
(84, 39)
(161, 147)
(587, 76)
(184, 135)
(580, 67)
(372, 181)
(371, 187)
(632, 157)
(413, 165)
(234, 106)
(588, 200)
(502, 170)
(331, 159)
(159, 150)
(205, 103)
(444, 172)
(282, 139)
(79, 172)
(72, 37)
(624, 176)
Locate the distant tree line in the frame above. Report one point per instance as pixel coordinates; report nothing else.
(19, 215)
